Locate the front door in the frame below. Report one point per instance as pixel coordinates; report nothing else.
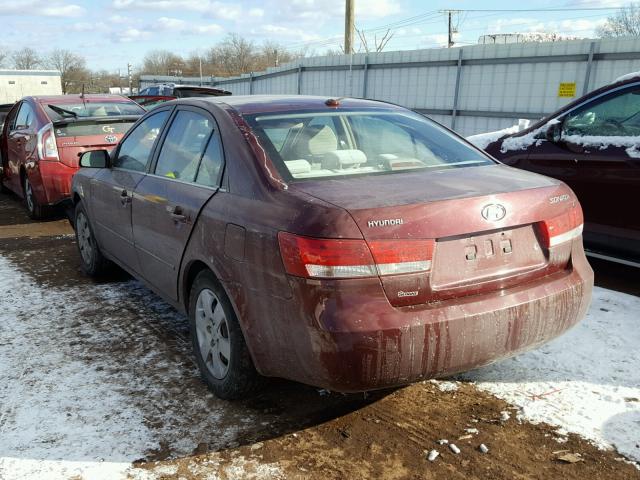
(112, 190)
(167, 202)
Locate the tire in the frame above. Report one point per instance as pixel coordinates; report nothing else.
(34, 209)
(93, 262)
(218, 343)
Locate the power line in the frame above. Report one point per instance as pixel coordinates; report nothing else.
(536, 9)
(426, 18)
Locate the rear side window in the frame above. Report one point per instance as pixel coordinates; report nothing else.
(184, 146)
(211, 165)
(323, 144)
(135, 150)
(25, 117)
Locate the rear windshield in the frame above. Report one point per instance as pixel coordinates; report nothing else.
(82, 129)
(322, 145)
(92, 109)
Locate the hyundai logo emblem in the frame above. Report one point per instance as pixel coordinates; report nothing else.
(493, 212)
(111, 139)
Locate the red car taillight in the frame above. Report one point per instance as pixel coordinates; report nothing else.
(336, 258)
(47, 148)
(562, 228)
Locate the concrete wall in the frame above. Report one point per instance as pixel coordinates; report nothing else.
(15, 84)
(472, 89)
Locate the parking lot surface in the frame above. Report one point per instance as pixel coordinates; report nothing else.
(97, 381)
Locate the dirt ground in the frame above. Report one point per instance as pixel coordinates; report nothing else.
(288, 431)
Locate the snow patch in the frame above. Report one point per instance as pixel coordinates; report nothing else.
(626, 77)
(632, 144)
(483, 140)
(88, 382)
(445, 386)
(585, 382)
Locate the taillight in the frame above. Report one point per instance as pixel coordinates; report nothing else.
(47, 148)
(562, 228)
(336, 258)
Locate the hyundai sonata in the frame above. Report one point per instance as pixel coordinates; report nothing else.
(347, 244)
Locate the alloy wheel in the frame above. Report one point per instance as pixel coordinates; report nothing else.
(85, 242)
(212, 332)
(28, 195)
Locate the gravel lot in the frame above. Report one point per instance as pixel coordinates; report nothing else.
(97, 381)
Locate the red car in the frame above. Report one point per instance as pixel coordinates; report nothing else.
(593, 145)
(42, 137)
(156, 94)
(347, 244)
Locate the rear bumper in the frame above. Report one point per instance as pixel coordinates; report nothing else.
(56, 182)
(353, 340)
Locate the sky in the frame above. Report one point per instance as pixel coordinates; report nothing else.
(112, 33)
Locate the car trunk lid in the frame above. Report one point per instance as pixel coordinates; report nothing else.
(484, 222)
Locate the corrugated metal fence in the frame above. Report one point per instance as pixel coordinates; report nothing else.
(472, 89)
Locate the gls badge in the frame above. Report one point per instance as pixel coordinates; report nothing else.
(493, 212)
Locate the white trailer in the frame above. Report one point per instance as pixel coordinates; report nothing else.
(15, 84)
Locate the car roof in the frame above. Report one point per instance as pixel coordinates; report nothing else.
(75, 98)
(250, 104)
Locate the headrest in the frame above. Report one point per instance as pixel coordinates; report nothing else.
(297, 167)
(343, 159)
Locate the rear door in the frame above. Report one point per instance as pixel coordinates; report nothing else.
(112, 189)
(598, 156)
(166, 203)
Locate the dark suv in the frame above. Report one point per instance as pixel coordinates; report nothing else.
(593, 145)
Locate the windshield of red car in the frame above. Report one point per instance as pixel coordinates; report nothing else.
(322, 145)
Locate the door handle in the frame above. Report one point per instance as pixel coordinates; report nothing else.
(177, 215)
(125, 198)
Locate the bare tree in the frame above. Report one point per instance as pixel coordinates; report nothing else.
(273, 54)
(626, 22)
(3, 56)
(378, 44)
(26, 59)
(162, 62)
(236, 54)
(72, 67)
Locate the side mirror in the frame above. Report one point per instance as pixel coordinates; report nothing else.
(95, 159)
(554, 132)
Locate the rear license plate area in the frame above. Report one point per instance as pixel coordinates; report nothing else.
(478, 258)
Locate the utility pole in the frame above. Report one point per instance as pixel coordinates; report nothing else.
(349, 20)
(451, 29)
(129, 77)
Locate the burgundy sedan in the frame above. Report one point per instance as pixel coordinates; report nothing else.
(346, 244)
(593, 145)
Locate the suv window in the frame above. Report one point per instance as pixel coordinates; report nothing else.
(135, 150)
(618, 115)
(184, 146)
(24, 118)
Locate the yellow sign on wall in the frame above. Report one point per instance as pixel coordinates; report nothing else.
(567, 90)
